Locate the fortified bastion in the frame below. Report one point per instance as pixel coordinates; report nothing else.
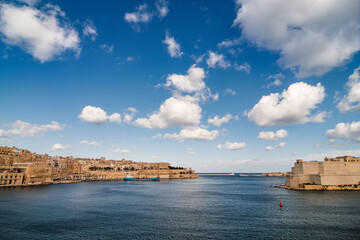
(340, 173)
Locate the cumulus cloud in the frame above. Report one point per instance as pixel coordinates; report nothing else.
(312, 37)
(107, 48)
(229, 43)
(59, 147)
(173, 47)
(173, 112)
(351, 101)
(128, 116)
(154, 157)
(192, 82)
(89, 30)
(229, 91)
(98, 116)
(245, 67)
(93, 114)
(217, 60)
(119, 151)
(274, 136)
(25, 129)
(345, 131)
(216, 121)
(141, 15)
(280, 145)
(162, 7)
(182, 109)
(44, 34)
(292, 106)
(30, 2)
(115, 117)
(275, 80)
(132, 109)
(85, 142)
(193, 133)
(231, 146)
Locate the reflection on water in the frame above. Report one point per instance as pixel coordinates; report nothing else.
(211, 207)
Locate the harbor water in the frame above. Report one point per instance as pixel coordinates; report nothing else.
(210, 207)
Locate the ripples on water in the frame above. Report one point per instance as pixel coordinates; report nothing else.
(211, 207)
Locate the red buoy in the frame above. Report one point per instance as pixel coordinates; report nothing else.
(280, 204)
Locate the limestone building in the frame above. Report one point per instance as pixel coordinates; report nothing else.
(331, 174)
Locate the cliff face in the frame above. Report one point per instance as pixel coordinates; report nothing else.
(341, 173)
(20, 167)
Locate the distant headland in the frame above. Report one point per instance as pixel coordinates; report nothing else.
(20, 167)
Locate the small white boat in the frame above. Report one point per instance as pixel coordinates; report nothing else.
(232, 174)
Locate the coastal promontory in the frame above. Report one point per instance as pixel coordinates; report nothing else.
(20, 167)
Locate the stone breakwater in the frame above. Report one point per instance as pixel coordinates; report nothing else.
(272, 174)
(20, 167)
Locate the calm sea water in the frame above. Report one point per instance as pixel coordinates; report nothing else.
(211, 207)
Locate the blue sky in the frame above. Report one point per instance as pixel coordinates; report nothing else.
(231, 86)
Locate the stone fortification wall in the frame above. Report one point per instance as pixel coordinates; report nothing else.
(341, 172)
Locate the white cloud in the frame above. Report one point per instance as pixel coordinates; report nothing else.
(44, 33)
(192, 82)
(115, 117)
(59, 147)
(282, 133)
(154, 157)
(130, 59)
(217, 60)
(311, 36)
(351, 101)
(280, 145)
(197, 59)
(216, 121)
(107, 48)
(345, 131)
(162, 7)
(119, 151)
(229, 43)
(30, 2)
(190, 150)
(193, 133)
(275, 80)
(132, 109)
(243, 67)
(173, 47)
(231, 146)
(98, 116)
(85, 142)
(173, 112)
(141, 15)
(89, 30)
(292, 106)
(181, 110)
(128, 116)
(25, 129)
(229, 91)
(93, 114)
(269, 148)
